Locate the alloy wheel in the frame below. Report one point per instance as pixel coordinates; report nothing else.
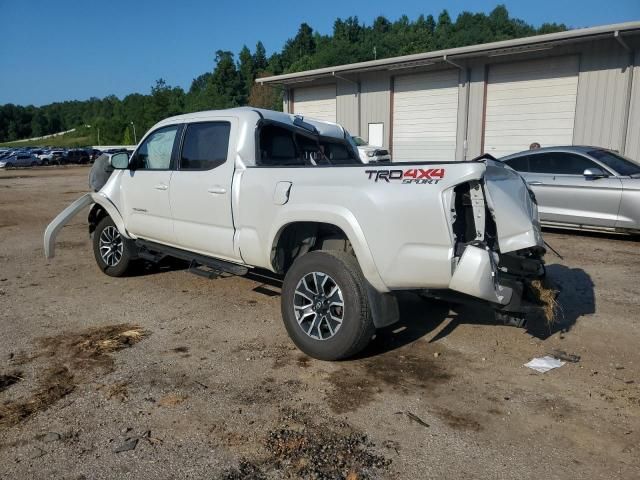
(111, 246)
(318, 305)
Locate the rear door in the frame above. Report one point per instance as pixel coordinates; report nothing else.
(145, 187)
(201, 193)
(564, 194)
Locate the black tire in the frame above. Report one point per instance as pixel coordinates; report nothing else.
(356, 329)
(126, 260)
(45, 163)
(8, 166)
(34, 164)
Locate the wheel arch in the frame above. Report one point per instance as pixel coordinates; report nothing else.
(301, 235)
(104, 207)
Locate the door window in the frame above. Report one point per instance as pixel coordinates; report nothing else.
(205, 146)
(155, 152)
(520, 164)
(559, 163)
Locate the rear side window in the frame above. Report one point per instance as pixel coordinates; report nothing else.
(338, 153)
(278, 148)
(205, 145)
(520, 164)
(559, 163)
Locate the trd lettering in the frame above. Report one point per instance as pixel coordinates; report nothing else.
(412, 175)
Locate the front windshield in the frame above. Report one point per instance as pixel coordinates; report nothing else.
(358, 141)
(616, 162)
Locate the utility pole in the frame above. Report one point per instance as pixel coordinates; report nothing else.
(135, 138)
(99, 136)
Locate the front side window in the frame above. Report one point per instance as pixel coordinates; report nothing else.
(620, 164)
(205, 145)
(559, 163)
(155, 152)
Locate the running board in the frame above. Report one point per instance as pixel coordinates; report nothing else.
(155, 251)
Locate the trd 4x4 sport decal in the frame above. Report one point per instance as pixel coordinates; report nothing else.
(412, 175)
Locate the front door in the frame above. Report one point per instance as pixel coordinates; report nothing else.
(146, 187)
(201, 196)
(565, 195)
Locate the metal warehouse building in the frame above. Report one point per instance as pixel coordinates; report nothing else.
(576, 87)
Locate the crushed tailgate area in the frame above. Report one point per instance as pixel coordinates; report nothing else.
(165, 374)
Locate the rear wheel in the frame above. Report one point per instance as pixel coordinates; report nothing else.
(8, 165)
(325, 307)
(34, 164)
(114, 253)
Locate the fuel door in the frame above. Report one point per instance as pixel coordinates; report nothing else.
(281, 193)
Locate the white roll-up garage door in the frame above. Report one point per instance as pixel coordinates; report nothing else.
(532, 101)
(316, 102)
(425, 116)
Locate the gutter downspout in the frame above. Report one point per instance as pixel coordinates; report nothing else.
(627, 103)
(467, 95)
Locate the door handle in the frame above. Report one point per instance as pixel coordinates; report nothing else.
(161, 186)
(535, 183)
(217, 190)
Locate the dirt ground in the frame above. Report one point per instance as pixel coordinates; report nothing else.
(169, 375)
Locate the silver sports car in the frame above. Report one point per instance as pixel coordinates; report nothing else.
(582, 187)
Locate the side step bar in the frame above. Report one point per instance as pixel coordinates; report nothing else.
(154, 252)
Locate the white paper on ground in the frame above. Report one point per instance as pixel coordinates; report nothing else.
(544, 364)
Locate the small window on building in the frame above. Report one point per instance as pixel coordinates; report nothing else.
(205, 145)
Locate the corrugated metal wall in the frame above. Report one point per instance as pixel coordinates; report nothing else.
(347, 106)
(601, 105)
(375, 101)
(602, 93)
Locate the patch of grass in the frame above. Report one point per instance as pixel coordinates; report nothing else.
(82, 137)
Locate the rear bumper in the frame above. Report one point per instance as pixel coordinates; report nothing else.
(499, 280)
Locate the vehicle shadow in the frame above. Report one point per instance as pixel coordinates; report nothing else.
(420, 316)
(576, 298)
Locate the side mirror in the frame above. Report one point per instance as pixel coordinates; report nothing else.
(594, 173)
(120, 161)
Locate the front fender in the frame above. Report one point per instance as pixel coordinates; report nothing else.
(71, 211)
(341, 218)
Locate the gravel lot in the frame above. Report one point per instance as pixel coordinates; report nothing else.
(211, 387)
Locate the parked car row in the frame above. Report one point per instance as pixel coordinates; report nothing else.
(35, 156)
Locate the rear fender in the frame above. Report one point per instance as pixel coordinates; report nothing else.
(72, 210)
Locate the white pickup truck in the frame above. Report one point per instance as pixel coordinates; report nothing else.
(245, 188)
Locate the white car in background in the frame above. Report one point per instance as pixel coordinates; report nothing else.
(369, 153)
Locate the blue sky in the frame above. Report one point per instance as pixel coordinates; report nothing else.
(71, 49)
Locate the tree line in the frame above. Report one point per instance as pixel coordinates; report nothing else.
(231, 83)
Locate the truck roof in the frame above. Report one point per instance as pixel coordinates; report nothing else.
(250, 116)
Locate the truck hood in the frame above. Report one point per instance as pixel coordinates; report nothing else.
(513, 208)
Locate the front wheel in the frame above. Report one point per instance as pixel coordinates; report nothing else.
(325, 307)
(114, 253)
